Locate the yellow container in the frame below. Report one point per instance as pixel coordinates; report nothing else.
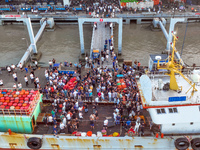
(95, 51)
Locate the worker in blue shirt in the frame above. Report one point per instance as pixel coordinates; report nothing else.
(55, 131)
(128, 124)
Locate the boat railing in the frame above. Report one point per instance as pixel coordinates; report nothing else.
(14, 112)
(20, 112)
(28, 111)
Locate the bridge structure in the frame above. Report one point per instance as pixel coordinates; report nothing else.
(99, 35)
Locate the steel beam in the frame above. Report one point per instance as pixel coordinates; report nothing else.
(80, 24)
(173, 21)
(120, 36)
(34, 40)
(164, 30)
(40, 31)
(31, 34)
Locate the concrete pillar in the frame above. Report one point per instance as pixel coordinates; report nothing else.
(139, 21)
(173, 21)
(31, 34)
(127, 21)
(80, 24)
(24, 23)
(1, 22)
(120, 27)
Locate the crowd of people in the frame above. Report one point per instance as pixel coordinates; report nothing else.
(95, 85)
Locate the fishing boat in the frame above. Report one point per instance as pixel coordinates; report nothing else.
(169, 95)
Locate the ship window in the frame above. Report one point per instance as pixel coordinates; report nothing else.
(173, 110)
(163, 110)
(160, 111)
(170, 110)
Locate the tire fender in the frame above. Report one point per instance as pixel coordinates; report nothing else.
(195, 144)
(181, 143)
(34, 143)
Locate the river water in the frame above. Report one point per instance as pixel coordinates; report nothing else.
(63, 43)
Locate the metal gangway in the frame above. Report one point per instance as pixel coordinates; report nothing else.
(99, 36)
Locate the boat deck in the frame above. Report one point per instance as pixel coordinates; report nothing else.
(186, 89)
(104, 110)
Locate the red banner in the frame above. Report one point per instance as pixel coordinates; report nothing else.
(12, 16)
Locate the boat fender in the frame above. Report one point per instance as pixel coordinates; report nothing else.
(195, 144)
(181, 143)
(34, 143)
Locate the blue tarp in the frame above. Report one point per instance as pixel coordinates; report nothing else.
(78, 8)
(56, 65)
(120, 75)
(66, 72)
(175, 99)
(43, 8)
(5, 9)
(60, 8)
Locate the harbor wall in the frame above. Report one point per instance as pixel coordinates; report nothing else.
(139, 18)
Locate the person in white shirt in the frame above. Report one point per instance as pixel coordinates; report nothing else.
(102, 96)
(32, 78)
(64, 121)
(107, 51)
(102, 60)
(26, 80)
(50, 120)
(96, 100)
(110, 25)
(80, 115)
(111, 47)
(86, 60)
(107, 56)
(19, 85)
(114, 116)
(109, 95)
(50, 64)
(21, 67)
(37, 80)
(47, 76)
(117, 110)
(105, 124)
(9, 70)
(137, 125)
(36, 64)
(75, 94)
(1, 82)
(14, 86)
(13, 67)
(15, 76)
(68, 117)
(62, 127)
